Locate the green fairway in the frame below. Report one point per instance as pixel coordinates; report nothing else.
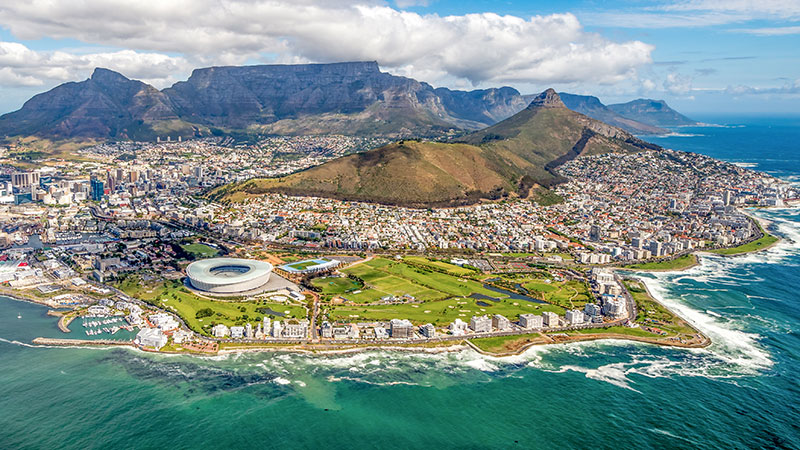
(172, 295)
(387, 277)
(569, 294)
(200, 250)
(679, 263)
(335, 285)
(440, 312)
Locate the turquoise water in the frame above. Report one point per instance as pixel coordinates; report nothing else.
(742, 392)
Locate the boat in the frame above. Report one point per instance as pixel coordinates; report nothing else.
(19, 316)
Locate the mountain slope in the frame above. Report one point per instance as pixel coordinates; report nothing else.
(106, 105)
(507, 159)
(652, 112)
(591, 106)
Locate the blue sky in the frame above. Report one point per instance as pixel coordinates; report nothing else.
(702, 56)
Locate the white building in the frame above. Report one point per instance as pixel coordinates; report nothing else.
(501, 323)
(458, 327)
(481, 324)
(602, 276)
(574, 317)
(614, 306)
(295, 330)
(220, 331)
(237, 332)
(164, 321)
(550, 319)
(401, 329)
(530, 321)
(151, 337)
(428, 330)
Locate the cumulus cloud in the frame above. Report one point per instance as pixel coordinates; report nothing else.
(477, 48)
(22, 66)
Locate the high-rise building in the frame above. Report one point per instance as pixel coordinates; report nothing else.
(656, 248)
(550, 319)
(24, 179)
(727, 198)
(501, 323)
(574, 317)
(97, 189)
(530, 321)
(428, 330)
(481, 324)
(401, 328)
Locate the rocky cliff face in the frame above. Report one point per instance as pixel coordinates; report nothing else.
(346, 98)
(237, 97)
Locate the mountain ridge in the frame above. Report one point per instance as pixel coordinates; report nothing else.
(516, 157)
(338, 98)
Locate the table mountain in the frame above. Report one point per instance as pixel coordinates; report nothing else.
(353, 98)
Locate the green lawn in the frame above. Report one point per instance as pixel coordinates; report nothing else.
(616, 330)
(200, 250)
(387, 277)
(756, 245)
(440, 312)
(302, 265)
(174, 296)
(668, 264)
(654, 314)
(335, 285)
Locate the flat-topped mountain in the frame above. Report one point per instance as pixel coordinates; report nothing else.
(353, 98)
(652, 112)
(516, 157)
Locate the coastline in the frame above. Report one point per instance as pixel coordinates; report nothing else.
(698, 254)
(65, 319)
(459, 345)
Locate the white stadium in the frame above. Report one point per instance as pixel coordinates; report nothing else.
(228, 275)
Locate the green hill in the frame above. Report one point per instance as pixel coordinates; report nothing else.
(513, 158)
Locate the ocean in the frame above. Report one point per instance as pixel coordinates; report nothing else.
(741, 392)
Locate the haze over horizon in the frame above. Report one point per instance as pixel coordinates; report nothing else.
(701, 56)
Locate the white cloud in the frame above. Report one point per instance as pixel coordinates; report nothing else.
(475, 47)
(678, 84)
(774, 31)
(22, 66)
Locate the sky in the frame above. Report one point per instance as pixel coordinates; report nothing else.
(701, 56)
